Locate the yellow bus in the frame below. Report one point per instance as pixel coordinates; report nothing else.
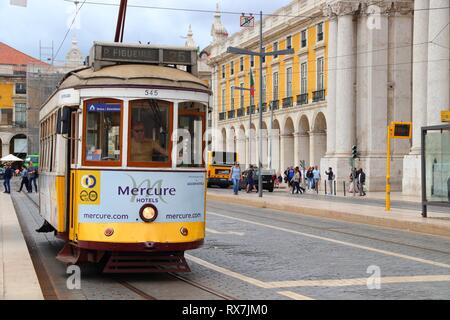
(219, 167)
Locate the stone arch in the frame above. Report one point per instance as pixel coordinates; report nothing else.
(275, 139)
(223, 143)
(318, 139)
(287, 144)
(303, 140)
(18, 145)
(231, 140)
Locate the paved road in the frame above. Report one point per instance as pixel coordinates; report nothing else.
(267, 254)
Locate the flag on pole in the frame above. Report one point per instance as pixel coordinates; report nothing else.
(252, 85)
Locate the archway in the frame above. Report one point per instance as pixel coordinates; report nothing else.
(231, 141)
(223, 143)
(303, 140)
(287, 144)
(275, 139)
(318, 139)
(18, 146)
(265, 149)
(242, 146)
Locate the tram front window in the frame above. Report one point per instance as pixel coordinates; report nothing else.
(103, 132)
(149, 140)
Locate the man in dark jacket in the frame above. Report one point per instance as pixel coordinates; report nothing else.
(361, 180)
(7, 179)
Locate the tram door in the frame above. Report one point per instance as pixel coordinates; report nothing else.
(72, 155)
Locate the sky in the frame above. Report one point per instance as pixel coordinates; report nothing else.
(47, 21)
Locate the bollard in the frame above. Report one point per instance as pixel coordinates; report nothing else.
(325, 181)
(334, 187)
(344, 187)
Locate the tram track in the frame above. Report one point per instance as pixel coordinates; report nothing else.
(50, 292)
(334, 230)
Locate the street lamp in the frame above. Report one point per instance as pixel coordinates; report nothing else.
(260, 54)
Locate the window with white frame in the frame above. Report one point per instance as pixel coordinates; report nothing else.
(304, 78)
(289, 82)
(20, 114)
(275, 48)
(232, 98)
(288, 42)
(223, 71)
(264, 57)
(303, 39)
(320, 85)
(223, 99)
(241, 64)
(232, 67)
(275, 86)
(320, 32)
(264, 88)
(252, 61)
(241, 96)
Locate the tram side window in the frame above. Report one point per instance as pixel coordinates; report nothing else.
(190, 132)
(103, 131)
(149, 142)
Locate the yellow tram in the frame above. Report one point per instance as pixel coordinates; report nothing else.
(122, 154)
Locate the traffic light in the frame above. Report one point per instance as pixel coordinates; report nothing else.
(354, 152)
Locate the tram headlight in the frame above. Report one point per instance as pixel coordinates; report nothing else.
(148, 213)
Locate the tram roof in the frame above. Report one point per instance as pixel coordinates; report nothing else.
(132, 75)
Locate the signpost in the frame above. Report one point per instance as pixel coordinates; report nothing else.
(445, 116)
(247, 21)
(395, 130)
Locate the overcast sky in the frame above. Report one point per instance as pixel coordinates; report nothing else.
(48, 20)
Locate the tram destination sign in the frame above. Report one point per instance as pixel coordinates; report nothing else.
(114, 52)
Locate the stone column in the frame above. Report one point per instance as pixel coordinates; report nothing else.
(5, 149)
(283, 150)
(345, 78)
(297, 148)
(420, 72)
(411, 182)
(331, 85)
(438, 61)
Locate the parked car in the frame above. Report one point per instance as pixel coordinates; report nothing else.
(267, 179)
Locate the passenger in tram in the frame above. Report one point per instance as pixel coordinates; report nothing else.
(142, 147)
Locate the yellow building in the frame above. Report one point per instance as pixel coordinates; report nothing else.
(294, 85)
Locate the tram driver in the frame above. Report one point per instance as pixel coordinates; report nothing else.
(142, 147)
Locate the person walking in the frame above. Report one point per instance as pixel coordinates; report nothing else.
(235, 177)
(316, 177)
(361, 180)
(309, 178)
(296, 179)
(7, 178)
(33, 175)
(25, 182)
(330, 175)
(250, 180)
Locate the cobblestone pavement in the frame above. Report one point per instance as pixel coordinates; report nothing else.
(252, 253)
(278, 250)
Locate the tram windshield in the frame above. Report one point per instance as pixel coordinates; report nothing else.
(149, 140)
(103, 132)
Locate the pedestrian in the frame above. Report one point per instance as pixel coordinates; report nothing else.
(296, 179)
(316, 177)
(250, 181)
(7, 178)
(361, 180)
(235, 177)
(25, 182)
(330, 175)
(448, 189)
(309, 178)
(33, 175)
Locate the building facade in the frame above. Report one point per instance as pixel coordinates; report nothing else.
(373, 64)
(294, 88)
(14, 122)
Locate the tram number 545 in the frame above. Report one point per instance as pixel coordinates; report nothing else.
(152, 93)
